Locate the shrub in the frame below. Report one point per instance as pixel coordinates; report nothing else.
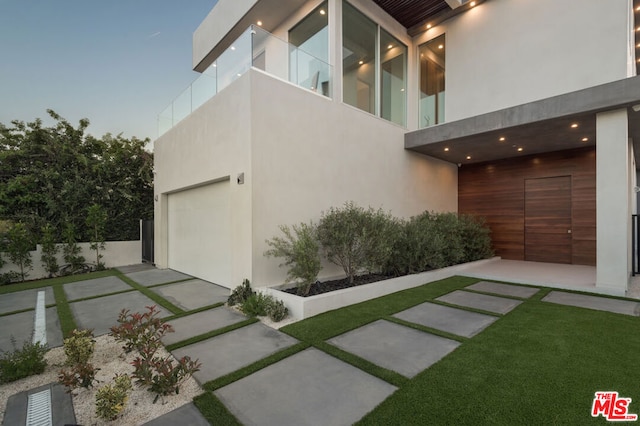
(255, 305)
(301, 252)
(111, 398)
(19, 246)
(357, 239)
(24, 362)
(79, 347)
(276, 310)
(49, 251)
(161, 375)
(240, 293)
(140, 331)
(9, 277)
(436, 240)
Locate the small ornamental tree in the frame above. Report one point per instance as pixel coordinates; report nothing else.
(301, 253)
(96, 222)
(71, 250)
(19, 248)
(49, 251)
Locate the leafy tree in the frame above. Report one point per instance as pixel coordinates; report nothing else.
(51, 174)
(301, 252)
(19, 246)
(71, 251)
(49, 251)
(96, 222)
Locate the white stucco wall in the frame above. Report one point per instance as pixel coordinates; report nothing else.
(210, 145)
(504, 53)
(116, 253)
(310, 153)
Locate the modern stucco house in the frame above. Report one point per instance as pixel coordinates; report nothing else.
(521, 111)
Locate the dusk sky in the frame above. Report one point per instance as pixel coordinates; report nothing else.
(118, 63)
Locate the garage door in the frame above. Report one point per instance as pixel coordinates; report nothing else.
(199, 237)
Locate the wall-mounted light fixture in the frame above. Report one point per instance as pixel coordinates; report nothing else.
(240, 179)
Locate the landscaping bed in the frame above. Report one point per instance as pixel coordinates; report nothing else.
(321, 287)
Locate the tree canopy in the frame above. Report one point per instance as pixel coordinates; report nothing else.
(52, 175)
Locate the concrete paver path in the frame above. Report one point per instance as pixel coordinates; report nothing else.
(193, 294)
(452, 320)
(20, 327)
(395, 347)
(504, 289)
(499, 305)
(25, 299)
(95, 287)
(616, 306)
(200, 323)
(308, 388)
(156, 276)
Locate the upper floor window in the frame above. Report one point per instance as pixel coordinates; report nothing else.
(309, 51)
(374, 67)
(432, 72)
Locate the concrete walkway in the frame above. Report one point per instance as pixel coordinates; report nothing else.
(309, 381)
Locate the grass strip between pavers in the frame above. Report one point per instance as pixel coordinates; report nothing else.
(388, 376)
(19, 311)
(150, 294)
(65, 316)
(30, 285)
(171, 282)
(193, 311)
(214, 411)
(98, 296)
(210, 334)
(256, 366)
(425, 329)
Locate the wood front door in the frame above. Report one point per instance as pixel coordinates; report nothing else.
(547, 219)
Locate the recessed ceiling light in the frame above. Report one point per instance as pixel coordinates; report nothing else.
(585, 139)
(441, 46)
(259, 23)
(638, 29)
(446, 150)
(468, 157)
(574, 125)
(390, 46)
(233, 48)
(361, 62)
(473, 3)
(239, 75)
(402, 90)
(520, 149)
(638, 45)
(215, 65)
(502, 139)
(638, 8)
(322, 12)
(428, 26)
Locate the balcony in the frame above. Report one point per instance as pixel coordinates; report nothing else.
(255, 48)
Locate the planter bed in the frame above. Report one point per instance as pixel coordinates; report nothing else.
(305, 307)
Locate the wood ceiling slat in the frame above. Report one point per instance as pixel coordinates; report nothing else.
(412, 12)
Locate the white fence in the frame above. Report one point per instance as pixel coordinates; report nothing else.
(116, 253)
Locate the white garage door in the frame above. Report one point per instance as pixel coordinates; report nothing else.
(199, 237)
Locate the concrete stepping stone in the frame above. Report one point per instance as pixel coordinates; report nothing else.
(504, 289)
(395, 347)
(102, 313)
(200, 323)
(25, 299)
(231, 351)
(193, 294)
(188, 414)
(61, 406)
(95, 287)
(499, 305)
(444, 318)
(20, 326)
(156, 276)
(308, 388)
(625, 307)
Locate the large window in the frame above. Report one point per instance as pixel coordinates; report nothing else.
(393, 60)
(432, 67)
(309, 52)
(374, 67)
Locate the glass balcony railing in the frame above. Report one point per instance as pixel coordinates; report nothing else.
(254, 48)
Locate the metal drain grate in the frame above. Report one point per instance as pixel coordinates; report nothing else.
(39, 409)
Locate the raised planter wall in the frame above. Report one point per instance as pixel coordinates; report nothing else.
(116, 253)
(305, 307)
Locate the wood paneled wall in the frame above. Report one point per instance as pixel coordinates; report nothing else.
(495, 190)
